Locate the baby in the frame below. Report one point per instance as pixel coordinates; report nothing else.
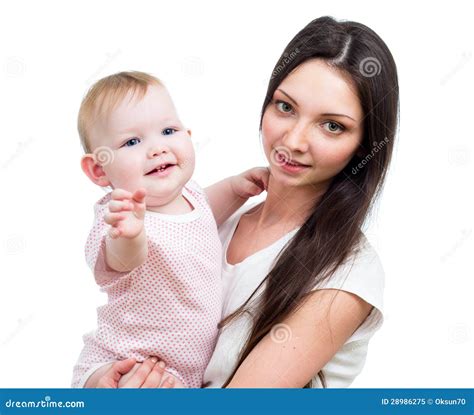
(154, 247)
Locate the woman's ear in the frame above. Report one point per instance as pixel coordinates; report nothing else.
(94, 171)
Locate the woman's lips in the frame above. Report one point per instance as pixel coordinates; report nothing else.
(293, 168)
(290, 166)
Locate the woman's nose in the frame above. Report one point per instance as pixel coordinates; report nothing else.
(297, 138)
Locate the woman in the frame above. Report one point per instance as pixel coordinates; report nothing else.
(302, 286)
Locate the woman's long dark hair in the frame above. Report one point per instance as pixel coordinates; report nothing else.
(333, 230)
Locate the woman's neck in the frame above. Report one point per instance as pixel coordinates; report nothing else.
(288, 206)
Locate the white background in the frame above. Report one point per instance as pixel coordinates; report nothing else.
(216, 59)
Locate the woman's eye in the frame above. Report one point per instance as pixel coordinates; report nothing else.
(132, 142)
(284, 106)
(168, 131)
(334, 127)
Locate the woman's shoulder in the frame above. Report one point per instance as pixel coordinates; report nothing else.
(361, 274)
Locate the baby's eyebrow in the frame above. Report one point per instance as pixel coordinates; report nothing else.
(126, 131)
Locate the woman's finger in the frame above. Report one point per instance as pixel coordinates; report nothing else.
(155, 377)
(168, 383)
(139, 377)
(111, 378)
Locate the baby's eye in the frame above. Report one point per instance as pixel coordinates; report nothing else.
(132, 142)
(284, 106)
(169, 131)
(334, 127)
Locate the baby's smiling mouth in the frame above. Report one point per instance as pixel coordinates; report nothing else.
(160, 168)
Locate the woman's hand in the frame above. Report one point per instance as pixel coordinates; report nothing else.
(129, 374)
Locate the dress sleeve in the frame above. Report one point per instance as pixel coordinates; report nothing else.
(363, 275)
(197, 191)
(95, 247)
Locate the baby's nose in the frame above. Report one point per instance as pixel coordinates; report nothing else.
(156, 152)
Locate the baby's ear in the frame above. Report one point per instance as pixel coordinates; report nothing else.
(189, 132)
(94, 171)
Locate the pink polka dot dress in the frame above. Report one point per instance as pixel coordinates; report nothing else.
(170, 305)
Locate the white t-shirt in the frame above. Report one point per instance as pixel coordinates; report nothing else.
(362, 275)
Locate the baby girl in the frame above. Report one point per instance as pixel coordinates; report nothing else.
(154, 247)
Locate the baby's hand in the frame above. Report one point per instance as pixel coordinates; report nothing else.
(251, 182)
(126, 213)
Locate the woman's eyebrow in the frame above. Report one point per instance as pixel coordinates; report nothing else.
(284, 93)
(325, 115)
(336, 115)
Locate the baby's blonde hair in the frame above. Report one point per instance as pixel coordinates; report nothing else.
(106, 94)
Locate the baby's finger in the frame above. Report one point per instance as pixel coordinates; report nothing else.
(120, 194)
(254, 189)
(260, 175)
(139, 195)
(120, 205)
(265, 177)
(111, 218)
(114, 233)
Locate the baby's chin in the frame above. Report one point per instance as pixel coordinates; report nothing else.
(157, 199)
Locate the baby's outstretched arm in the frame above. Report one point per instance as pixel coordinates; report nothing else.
(226, 196)
(127, 246)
